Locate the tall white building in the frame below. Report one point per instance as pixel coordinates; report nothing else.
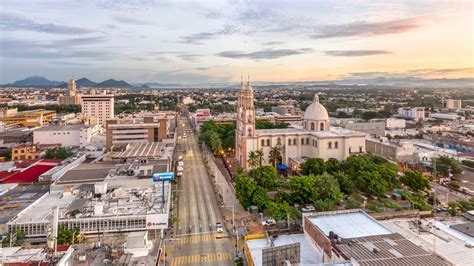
(315, 139)
(98, 107)
(412, 113)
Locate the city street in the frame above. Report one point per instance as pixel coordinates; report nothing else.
(196, 241)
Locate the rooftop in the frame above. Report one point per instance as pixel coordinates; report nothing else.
(86, 172)
(151, 150)
(61, 128)
(333, 132)
(348, 224)
(309, 255)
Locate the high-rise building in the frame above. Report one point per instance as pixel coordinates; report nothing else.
(98, 107)
(71, 97)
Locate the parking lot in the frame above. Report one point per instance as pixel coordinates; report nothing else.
(20, 197)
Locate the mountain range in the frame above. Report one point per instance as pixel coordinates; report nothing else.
(42, 82)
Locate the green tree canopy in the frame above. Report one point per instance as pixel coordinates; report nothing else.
(302, 188)
(327, 192)
(265, 176)
(445, 164)
(313, 166)
(58, 153)
(415, 180)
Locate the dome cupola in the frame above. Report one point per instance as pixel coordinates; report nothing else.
(316, 116)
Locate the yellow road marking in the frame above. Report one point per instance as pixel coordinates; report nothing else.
(183, 260)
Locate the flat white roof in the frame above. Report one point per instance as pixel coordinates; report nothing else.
(309, 255)
(349, 224)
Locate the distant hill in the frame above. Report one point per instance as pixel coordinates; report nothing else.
(85, 82)
(112, 83)
(36, 81)
(42, 82)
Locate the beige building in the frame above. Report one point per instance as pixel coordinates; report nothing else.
(121, 132)
(98, 107)
(72, 98)
(397, 152)
(315, 139)
(452, 104)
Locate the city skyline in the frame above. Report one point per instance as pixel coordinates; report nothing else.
(216, 41)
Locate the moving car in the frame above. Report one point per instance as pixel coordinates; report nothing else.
(268, 222)
(219, 227)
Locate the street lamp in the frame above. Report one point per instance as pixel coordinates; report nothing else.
(233, 230)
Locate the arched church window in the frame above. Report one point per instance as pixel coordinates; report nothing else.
(302, 141)
(321, 126)
(250, 132)
(336, 145)
(278, 141)
(307, 141)
(289, 142)
(312, 126)
(263, 142)
(350, 150)
(294, 141)
(268, 142)
(329, 145)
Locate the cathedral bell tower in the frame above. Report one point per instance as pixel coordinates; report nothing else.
(245, 127)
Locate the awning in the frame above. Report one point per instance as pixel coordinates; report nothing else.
(282, 166)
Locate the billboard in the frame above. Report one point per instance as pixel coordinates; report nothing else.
(160, 177)
(156, 221)
(278, 255)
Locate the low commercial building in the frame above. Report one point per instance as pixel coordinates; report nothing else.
(67, 136)
(25, 152)
(372, 128)
(32, 118)
(120, 132)
(452, 104)
(354, 236)
(443, 116)
(395, 123)
(403, 152)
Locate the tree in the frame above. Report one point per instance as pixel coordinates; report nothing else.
(260, 154)
(244, 187)
(260, 198)
(332, 165)
(313, 166)
(253, 159)
(58, 153)
(302, 188)
(454, 184)
(265, 176)
(14, 239)
(327, 192)
(415, 180)
(446, 165)
(216, 143)
(68, 235)
(274, 156)
(345, 183)
(371, 182)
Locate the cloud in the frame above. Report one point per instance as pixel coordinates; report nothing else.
(203, 68)
(189, 57)
(132, 21)
(422, 73)
(9, 22)
(264, 54)
(365, 29)
(272, 43)
(353, 53)
(198, 38)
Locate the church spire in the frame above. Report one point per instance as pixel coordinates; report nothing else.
(248, 80)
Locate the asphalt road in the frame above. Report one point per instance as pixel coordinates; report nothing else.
(196, 242)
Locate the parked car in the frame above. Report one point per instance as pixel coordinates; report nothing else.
(180, 158)
(269, 222)
(219, 227)
(308, 209)
(181, 163)
(180, 168)
(180, 173)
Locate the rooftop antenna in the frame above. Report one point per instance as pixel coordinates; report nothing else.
(248, 80)
(241, 79)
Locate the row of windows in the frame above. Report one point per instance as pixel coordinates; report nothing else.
(294, 141)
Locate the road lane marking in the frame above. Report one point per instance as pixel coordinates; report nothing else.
(210, 257)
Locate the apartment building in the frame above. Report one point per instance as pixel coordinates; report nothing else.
(412, 113)
(99, 107)
(452, 104)
(121, 132)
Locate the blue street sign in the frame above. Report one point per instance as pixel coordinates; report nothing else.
(161, 177)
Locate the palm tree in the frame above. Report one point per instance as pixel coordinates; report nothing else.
(216, 143)
(259, 154)
(253, 159)
(274, 156)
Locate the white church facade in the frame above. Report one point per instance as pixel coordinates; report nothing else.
(315, 139)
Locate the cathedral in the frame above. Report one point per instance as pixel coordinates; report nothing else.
(316, 138)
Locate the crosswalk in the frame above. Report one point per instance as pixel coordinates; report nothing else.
(193, 239)
(210, 257)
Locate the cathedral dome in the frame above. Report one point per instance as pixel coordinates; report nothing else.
(316, 111)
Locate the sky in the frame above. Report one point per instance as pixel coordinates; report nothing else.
(189, 42)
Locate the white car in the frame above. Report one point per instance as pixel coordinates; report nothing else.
(180, 173)
(180, 168)
(219, 227)
(308, 209)
(181, 163)
(180, 158)
(269, 222)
